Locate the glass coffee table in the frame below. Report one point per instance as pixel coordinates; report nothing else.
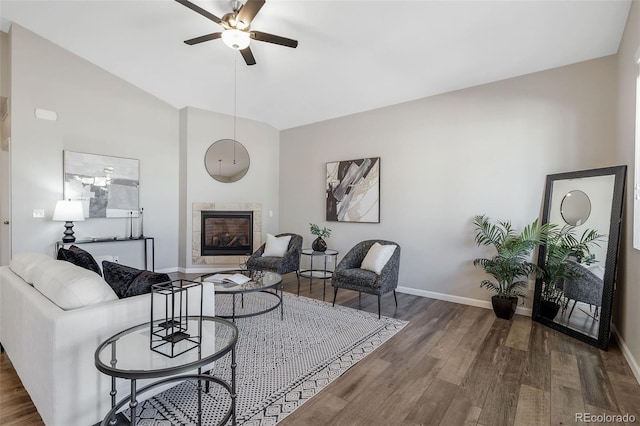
(127, 355)
(259, 282)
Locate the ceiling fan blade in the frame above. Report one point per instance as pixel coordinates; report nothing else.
(200, 10)
(250, 10)
(248, 56)
(270, 38)
(203, 38)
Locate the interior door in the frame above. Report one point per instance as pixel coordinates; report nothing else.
(5, 203)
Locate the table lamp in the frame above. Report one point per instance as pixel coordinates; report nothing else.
(67, 211)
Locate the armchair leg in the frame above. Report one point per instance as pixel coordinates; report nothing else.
(378, 306)
(298, 276)
(395, 298)
(335, 293)
(572, 308)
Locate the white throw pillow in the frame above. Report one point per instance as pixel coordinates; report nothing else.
(70, 286)
(276, 246)
(377, 256)
(23, 264)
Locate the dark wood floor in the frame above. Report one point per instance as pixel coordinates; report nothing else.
(451, 365)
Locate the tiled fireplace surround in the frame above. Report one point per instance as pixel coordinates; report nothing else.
(196, 225)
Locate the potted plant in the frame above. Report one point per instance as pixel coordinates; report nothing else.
(319, 244)
(511, 265)
(562, 244)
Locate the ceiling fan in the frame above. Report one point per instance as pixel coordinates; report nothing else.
(237, 33)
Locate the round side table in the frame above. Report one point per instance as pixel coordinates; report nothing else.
(322, 257)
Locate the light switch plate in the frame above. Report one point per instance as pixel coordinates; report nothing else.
(38, 213)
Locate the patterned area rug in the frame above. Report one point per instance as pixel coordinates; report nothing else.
(280, 364)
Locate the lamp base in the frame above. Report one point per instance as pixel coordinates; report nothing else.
(68, 233)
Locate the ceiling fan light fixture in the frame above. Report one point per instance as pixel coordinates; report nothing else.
(236, 39)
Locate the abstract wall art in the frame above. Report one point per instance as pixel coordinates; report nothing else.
(353, 190)
(107, 186)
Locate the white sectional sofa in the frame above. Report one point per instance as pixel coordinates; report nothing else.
(52, 349)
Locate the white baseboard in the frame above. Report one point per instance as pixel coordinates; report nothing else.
(205, 269)
(166, 270)
(633, 363)
(458, 299)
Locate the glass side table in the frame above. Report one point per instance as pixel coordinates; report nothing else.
(127, 355)
(324, 273)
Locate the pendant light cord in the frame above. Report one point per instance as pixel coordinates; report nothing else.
(235, 102)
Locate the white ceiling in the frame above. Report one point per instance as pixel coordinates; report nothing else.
(353, 56)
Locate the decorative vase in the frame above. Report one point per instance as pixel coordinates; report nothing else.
(319, 244)
(504, 307)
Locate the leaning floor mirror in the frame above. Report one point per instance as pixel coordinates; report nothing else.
(575, 292)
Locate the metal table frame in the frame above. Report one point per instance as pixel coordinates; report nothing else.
(134, 375)
(323, 273)
(146, 241)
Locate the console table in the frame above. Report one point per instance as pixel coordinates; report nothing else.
(323, 273)
(148, 242)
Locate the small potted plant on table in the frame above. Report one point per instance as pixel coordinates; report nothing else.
(511, 265)
(319, 244)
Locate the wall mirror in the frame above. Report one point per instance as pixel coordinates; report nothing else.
(575, 293)
(226, 160)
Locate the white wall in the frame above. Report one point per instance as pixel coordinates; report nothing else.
(98, 113)
(447, 158)
(199, 129)
(626, 312)
(599, 189)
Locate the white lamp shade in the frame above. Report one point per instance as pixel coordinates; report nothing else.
(236, 39)
(68, 211)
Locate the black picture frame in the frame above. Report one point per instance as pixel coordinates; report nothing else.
(610, 269)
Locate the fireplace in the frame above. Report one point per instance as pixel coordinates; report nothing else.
(226, 233)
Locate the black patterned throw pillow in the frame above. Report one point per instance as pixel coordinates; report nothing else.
(79, 257)
(127, 281)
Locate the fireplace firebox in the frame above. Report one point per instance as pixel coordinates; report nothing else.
(226, 233)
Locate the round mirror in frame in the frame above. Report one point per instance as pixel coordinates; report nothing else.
(575, 208)
(226, 160)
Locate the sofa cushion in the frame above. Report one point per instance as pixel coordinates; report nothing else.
(22, 264)
(276, 246)
(70, 286)
(356, 279)
(79, 257)
(378, 256)
(127, 281)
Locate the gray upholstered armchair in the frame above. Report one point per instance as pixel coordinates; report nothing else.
(348, 274)
(290, 262)
(584, 286)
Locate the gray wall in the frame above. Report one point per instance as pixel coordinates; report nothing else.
(447, 158)
(98, 113)
(627, 314)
